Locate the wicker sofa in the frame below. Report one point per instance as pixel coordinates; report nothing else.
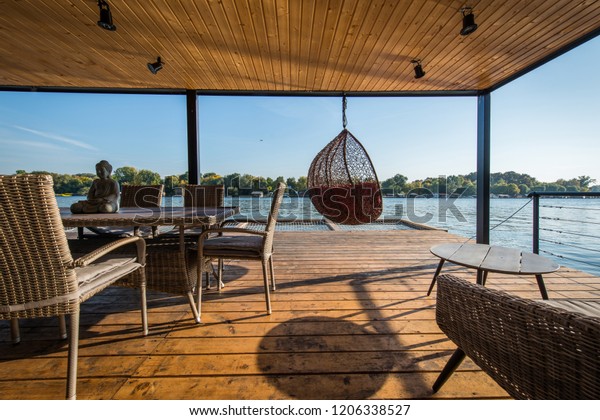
(533, 349)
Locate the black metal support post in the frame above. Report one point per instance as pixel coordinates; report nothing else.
(536, 223)
(483, 168)
(192, 137)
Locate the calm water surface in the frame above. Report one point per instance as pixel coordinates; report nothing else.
(569, 234)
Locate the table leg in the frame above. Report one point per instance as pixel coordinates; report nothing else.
(481, 277)
(484, 278)
(437, 273)
(540, 282)
(182, 239)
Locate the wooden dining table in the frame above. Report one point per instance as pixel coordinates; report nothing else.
(180, 217)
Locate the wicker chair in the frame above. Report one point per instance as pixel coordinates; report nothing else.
(203, 195)
(38, 276)
(141, 196)
(534, 349)
(250, 245)
(195, 195)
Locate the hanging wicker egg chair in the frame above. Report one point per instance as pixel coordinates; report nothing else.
(342, 182)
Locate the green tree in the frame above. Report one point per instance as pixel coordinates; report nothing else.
(147, 177)
(500, 187)
(231, 183)
(211, 178)
(553, 187)
(512, 189)
(301, 184)
(125, 175)
(291, 183)
(470, 189)
(172, 182)
(524, 189)
(269, 184)
(584, 182)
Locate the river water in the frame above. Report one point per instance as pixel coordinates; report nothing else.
(569, 228)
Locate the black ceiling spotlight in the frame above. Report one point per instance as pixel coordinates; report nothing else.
(105, 16)
(418, 68)
(469, 25)
(155, 67)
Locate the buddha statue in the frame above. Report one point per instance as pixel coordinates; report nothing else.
(103, 196)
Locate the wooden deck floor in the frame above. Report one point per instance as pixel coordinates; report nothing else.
(351, 320)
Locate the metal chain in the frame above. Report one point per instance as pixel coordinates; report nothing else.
(344, 106)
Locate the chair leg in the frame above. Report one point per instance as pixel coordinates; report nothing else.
(220, 274)
(452, 364)
(197, 305)
(144, 303)
(208, 281)
(266, 283)
(62, 326)
(272, 272)
(72, 356)
(15, 332)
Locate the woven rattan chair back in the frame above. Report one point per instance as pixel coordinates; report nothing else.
(203, 195)
(141, 196)
(34, 252)
(532, 349)
(273, 215)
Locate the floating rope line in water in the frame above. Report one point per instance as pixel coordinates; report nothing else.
(569, 233)
(569, 245)
(570, 220)
(569, 258)
(569, 207)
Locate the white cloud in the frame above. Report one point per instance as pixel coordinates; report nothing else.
(32, 144)
(57, 137)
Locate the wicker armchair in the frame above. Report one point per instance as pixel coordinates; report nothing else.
(533, 349)
(38, 276)
(140, 196)
(245, 244)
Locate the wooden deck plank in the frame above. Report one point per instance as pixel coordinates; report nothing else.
(351, 320)
(410, 385)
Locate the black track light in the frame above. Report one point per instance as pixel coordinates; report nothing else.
(156, 66)
(105, 16)
(469, 25)
(419, 72)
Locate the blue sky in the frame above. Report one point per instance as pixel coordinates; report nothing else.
(546, 124)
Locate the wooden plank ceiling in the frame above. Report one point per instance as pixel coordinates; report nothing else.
(284, 45)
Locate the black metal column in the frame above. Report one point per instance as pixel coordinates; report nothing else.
(536, 223)
(483, 168)
(192, 137)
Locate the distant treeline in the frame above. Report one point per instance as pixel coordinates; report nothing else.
(510, 183)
